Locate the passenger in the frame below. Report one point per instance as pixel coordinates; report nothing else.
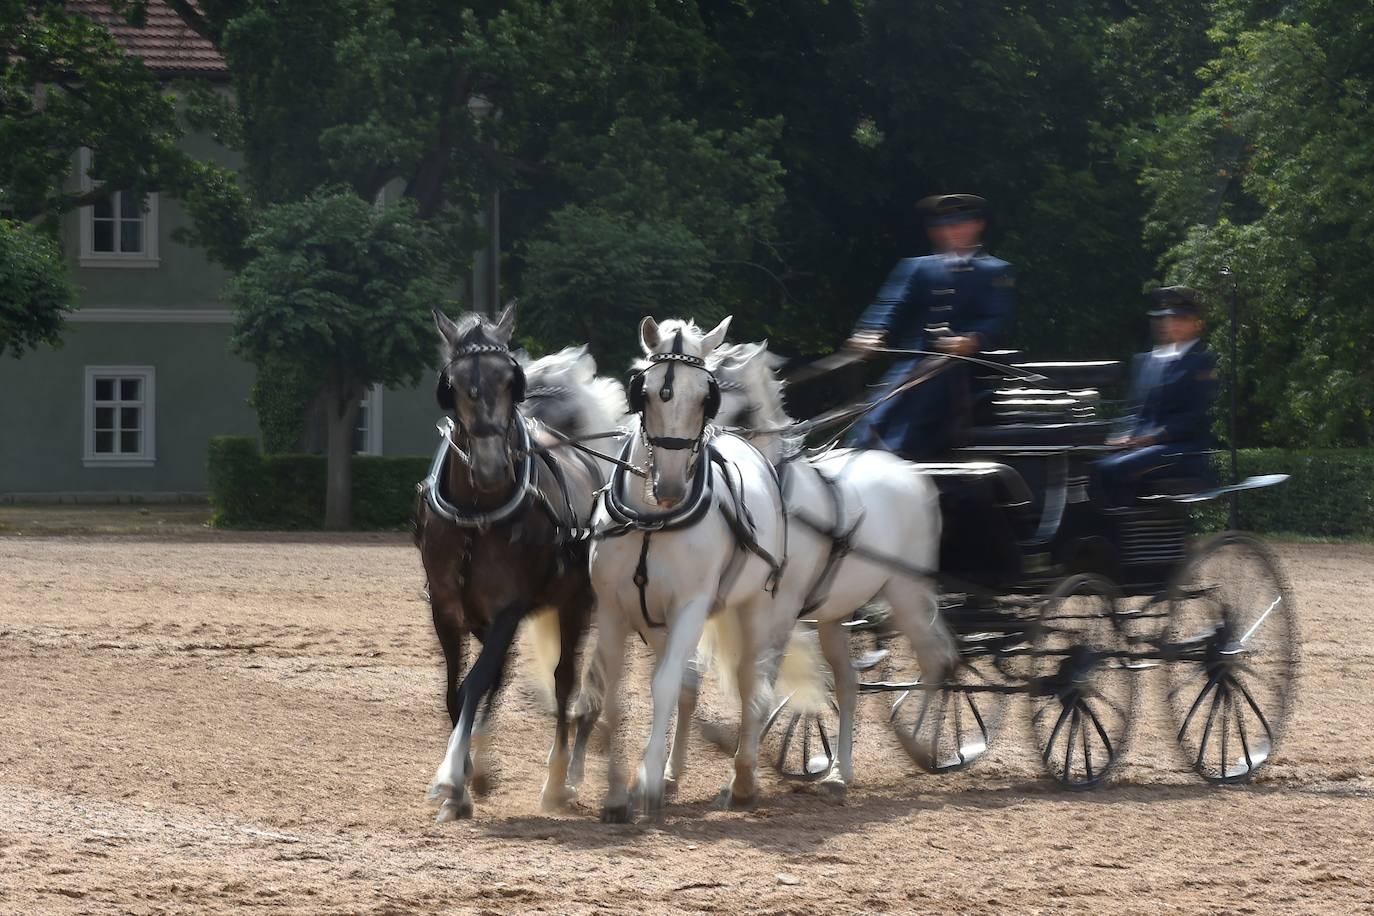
(968, 294)
(1166, 432)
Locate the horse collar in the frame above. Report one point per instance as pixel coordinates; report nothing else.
(464, 518)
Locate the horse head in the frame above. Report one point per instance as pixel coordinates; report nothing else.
(676, 396)
(479, 387)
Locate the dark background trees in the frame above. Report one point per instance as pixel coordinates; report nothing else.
(762, 157)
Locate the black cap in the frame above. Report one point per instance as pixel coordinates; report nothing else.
(939, 209)
(1176, 300)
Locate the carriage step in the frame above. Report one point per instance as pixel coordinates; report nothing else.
(867, 661)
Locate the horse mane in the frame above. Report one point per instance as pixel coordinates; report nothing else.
(754, 368)
(668, 327)
(569, 377)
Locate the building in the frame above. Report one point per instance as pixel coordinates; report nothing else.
(124, 410)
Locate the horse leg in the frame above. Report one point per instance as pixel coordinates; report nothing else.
(590, 700)
(684, 634)
(480, 760)
(835, 644)
(916, 613)
(754, 677)
(454, 643)
(686, 708)
(450, 783)
(557, 793)
(610, 661)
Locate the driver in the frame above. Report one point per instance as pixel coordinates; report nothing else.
(958, 300)
(1165, 434)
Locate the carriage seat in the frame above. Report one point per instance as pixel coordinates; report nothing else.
(1007, 486)
(1096, 373)
(1088, 432)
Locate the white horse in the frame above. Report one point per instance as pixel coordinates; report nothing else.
(879, 503)
(702, 537)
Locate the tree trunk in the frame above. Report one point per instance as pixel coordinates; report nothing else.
(341, 417)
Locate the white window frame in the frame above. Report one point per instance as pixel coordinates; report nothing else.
(372, 432)
(147, 258)
(144, 459)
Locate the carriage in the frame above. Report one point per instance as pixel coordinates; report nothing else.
(1074, 604)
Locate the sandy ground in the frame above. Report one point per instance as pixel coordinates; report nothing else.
(228, 724)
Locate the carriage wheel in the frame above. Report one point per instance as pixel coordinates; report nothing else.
(804, 745)
(1083, 691)
(944, 730)
(1232, 643)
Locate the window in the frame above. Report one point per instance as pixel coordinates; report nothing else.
(119, 416)
(119, 230)
(367, 435)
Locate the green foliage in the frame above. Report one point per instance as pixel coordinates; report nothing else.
(596, 273)
(1330, 493)
(286, 492)
(342, 288)
(34, 289)
(1266, 172)
(282, 392)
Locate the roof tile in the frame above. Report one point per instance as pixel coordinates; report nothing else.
(165, 43)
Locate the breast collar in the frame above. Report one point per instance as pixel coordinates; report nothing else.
(470, 518)
(626, 518)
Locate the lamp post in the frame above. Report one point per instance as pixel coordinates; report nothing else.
(1229, 279)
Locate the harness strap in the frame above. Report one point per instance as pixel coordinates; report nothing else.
(641, 581)
(741, 524)
(841, 544)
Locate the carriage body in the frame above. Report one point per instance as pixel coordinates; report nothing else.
(1059, 597)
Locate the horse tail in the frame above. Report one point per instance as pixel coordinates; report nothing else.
(801, 673)
(545, 643)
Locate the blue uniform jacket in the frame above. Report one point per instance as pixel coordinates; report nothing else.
(1171, 401)
(973, 295)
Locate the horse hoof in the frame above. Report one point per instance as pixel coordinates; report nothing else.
(482, 784)
(453, 810)
(728, 801)
(557, 799)
(833, 791)
(617, 814)
(669, 786)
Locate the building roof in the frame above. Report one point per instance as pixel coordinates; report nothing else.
(167, 45)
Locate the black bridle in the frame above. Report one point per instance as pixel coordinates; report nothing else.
(665, 393)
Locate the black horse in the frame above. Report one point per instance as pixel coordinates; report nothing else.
(500, 523)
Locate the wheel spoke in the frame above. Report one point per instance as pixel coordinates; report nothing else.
(1269, 732)
(1244, 741)
(1207, 729)
(921, 716)
(959, 730)
(1087, 749)
(938, 727)
(1073, 738)
(1054, 734)
(1178, 688)
(1226, 703)
(1187, 720)
(1101, 732)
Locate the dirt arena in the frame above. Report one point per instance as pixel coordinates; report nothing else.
(216, 723)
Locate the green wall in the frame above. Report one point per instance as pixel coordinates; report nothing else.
(200, 391)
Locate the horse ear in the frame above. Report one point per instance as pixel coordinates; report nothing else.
(505, 324)
(648, 334)
(448, 329)
(716, 337)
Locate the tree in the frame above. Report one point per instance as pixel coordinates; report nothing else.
(345, 289)
(33, 288)
(65, 85)
(1266, 172)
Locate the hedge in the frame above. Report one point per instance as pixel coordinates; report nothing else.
(276, 492)
(1331, 492)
